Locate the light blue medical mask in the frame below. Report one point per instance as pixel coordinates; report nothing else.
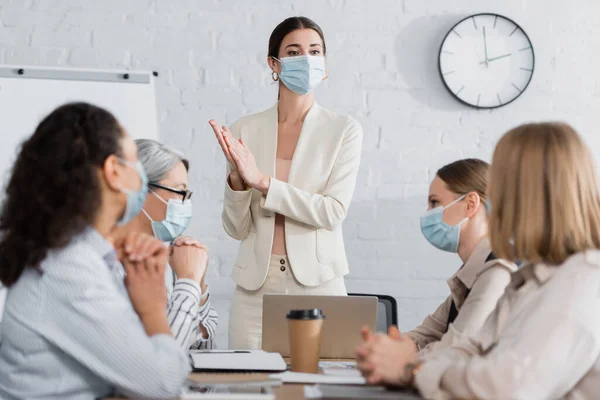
(437, 232)
(302, 74)
(176, 220)
(135, 198)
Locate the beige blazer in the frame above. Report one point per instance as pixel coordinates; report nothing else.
(486, 282)
(315, 199)
(541, 342)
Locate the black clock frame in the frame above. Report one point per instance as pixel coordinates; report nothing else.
(440, 63)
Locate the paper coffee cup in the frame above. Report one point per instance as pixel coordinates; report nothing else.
(305, 328)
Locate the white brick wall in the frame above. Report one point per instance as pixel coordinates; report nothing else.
(383, 70)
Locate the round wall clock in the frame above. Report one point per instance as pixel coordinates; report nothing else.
(486, 61)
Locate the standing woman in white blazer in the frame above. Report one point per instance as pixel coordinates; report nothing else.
(291, 176)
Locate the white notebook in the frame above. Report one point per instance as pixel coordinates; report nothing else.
(237, 361)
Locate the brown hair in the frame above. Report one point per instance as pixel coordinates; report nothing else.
(289, 25)
(466, 176)
(544, 194)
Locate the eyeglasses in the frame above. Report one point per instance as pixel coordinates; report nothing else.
(186, 194)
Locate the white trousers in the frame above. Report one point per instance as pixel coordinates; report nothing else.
(245, 317)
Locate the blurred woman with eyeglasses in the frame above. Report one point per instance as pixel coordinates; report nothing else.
(166, 214)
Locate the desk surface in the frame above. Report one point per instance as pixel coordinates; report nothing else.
(283, 392)
(290, 392)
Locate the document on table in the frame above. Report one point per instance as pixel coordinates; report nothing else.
(228, 392)
(347, 378)
(339, 392)
(339, 368)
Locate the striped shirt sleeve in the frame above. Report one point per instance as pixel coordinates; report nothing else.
(182, 311)
(209, 319)
(188, 309)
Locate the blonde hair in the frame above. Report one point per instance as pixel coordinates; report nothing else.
(544, 195)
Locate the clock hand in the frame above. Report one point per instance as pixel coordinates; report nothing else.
(496, 58)
(485, 48)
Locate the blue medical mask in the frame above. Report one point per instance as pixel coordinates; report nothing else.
(176, 220)
(135, 198)
(302, 74)
(437, 232)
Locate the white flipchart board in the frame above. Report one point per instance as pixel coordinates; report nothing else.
(28, 94)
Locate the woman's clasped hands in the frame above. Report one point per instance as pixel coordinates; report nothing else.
(382, 359)
(244, 170)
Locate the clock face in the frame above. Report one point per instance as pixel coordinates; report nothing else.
(486, 61)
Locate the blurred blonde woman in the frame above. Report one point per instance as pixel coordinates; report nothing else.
(543, 339)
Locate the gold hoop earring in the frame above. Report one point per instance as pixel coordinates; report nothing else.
(274, 76)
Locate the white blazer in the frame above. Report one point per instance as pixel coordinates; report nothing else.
(315, 199)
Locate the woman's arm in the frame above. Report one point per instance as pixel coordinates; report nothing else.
(182, 314)
(325, 210)
(192, 319)
(531, 366)
(432, 328)
(96, 325)
(236, 216)
(329, 209)
(190, 314)
(542, 352)
(209, 319)
(487, 289)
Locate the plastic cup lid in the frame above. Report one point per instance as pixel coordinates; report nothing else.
(315, 313)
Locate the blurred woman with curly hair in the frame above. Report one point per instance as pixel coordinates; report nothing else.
(73, 327)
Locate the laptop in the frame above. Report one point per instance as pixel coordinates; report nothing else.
(344, 317)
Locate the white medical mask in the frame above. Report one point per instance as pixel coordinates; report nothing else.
(488, 206)
(135, 198)
(437, 232)
(302, 74)
(176, 220)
